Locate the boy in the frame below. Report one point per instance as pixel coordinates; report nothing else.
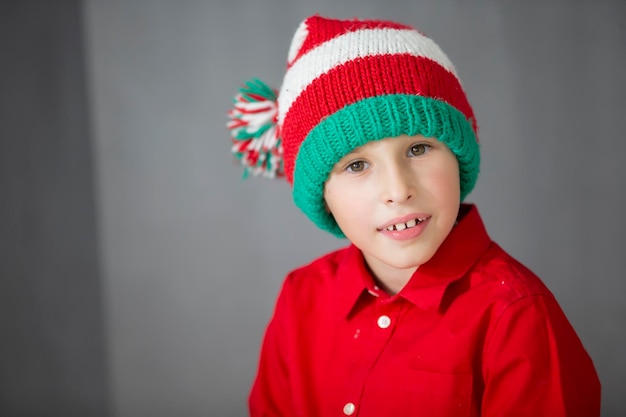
(422, 315)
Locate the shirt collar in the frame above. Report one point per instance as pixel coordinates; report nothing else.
(467, 241)
(353, 279)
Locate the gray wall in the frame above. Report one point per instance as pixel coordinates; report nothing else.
(52, 352)
(190, 257)
(194, 257)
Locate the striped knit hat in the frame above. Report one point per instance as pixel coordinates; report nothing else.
(349, 82)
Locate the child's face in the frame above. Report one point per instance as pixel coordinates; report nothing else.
(409, 184)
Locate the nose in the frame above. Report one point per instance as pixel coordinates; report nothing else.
(397, 183)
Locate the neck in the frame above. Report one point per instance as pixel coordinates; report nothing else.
(389, 279)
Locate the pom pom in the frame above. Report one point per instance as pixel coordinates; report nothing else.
(253, 127)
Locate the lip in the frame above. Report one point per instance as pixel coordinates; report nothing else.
(404, 219)
(406, 234)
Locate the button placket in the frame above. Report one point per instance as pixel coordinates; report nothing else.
(370, 332)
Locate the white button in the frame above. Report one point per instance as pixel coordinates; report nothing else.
(349, 409)
(384, 322)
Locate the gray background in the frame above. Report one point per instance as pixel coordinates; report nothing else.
(137, 270)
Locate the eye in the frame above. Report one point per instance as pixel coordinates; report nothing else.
(419, 149)
(356, 166)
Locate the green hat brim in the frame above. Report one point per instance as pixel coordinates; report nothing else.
(371, 119)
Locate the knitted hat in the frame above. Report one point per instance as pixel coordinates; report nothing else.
(349, 82)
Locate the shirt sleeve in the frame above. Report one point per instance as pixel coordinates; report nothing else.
(535, 365)
(270, 394)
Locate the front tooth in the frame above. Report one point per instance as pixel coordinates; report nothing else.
(400, 226)
(411, 223)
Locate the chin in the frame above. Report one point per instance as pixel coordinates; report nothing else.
(406, 263)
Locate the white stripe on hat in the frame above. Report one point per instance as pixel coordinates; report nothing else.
(349, 46)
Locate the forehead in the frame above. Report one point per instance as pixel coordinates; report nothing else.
(376, 144)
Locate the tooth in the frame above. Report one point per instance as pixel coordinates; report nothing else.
(400, 226)
(411, 223)
(390, 228)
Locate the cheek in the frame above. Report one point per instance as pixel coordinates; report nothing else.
(341, 199)
(330, 196)
(325, 194)
(450, 182)
(333, 199)
(446, 181)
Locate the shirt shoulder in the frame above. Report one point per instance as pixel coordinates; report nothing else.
(508, 279)
(320, 268)
(317, 277)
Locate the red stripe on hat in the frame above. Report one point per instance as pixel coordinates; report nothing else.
(322, 30)
(363, 78)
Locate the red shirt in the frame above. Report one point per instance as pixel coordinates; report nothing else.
(473, 333)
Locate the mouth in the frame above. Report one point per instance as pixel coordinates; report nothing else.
(405, 225)
(401, 223)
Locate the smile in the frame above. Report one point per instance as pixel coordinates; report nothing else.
(401, 226)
